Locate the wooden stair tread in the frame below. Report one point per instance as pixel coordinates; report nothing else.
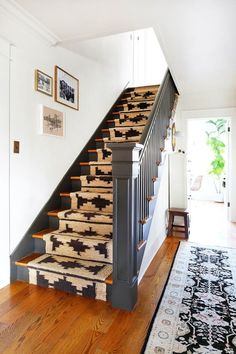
(25, 260)
(55, 212)
(65, 194)
(108, 280)
(41, 233)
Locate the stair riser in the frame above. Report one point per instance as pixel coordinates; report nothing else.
(128, 122)
(99, 181)
(99, 144)
(134, 98)
(99, 170)
(77, 286)
(142, 90)
(89, 217)
(123, 132)
(53, 220)
(76, 186)
(85, 228)
(39, 245)
(132, 115)
(80, 248)
(131, 97)
(65, 203)
(103, 204)
(93, 156)
(135, 106)
(124, 138)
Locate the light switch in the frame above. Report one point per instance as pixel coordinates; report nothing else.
(16, 147)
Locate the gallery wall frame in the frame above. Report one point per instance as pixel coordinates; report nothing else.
(52, 122)
(66, 88)
(43, 83)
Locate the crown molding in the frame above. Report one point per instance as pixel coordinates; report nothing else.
(10, 7)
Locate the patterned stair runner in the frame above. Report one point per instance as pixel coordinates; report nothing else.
(78, 256)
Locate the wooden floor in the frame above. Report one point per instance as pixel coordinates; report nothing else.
(36, 320)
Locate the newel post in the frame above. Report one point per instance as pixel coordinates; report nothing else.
(125, 170)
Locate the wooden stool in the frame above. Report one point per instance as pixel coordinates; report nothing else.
(178, 212)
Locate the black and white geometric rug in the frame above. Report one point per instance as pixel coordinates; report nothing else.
(197, 312)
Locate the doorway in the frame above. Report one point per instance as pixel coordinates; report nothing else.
(208, 171)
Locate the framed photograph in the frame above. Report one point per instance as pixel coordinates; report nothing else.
(66, 88)
(52, 122)
(43, 83)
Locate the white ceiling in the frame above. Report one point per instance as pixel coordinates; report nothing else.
(197, 37)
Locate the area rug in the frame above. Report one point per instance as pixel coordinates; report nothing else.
(197, 311)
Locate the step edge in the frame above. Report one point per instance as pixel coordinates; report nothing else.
(23, 262)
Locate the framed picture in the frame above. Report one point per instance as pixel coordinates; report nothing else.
(52, 122)
(66, 88)
(43, 83)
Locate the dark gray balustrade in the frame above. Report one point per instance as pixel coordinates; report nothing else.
(135, 169)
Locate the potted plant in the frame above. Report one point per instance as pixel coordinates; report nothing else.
(215, 135)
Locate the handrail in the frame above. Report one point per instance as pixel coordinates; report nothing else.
(148, 128)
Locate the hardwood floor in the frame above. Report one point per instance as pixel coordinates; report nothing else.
(36, 320)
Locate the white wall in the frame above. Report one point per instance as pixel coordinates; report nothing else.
(177, 161)
(43, 160)
(112, 53)
(148, 64)
(178, 180)
(4, 160)
(157, 231)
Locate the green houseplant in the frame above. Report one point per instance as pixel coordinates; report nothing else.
(215, 135)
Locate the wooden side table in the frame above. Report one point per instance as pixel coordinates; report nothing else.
(173, 212)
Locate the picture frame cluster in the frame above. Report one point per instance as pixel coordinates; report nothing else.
(66, 92)
(66, 87)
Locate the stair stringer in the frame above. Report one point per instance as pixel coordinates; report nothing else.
(29, 245)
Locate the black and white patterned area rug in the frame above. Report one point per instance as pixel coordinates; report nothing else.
(197, 312)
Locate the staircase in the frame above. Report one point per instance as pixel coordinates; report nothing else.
(77, 255)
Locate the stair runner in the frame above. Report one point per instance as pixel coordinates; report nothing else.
(78, 256)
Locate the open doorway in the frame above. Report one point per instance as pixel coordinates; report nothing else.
(207, 168)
